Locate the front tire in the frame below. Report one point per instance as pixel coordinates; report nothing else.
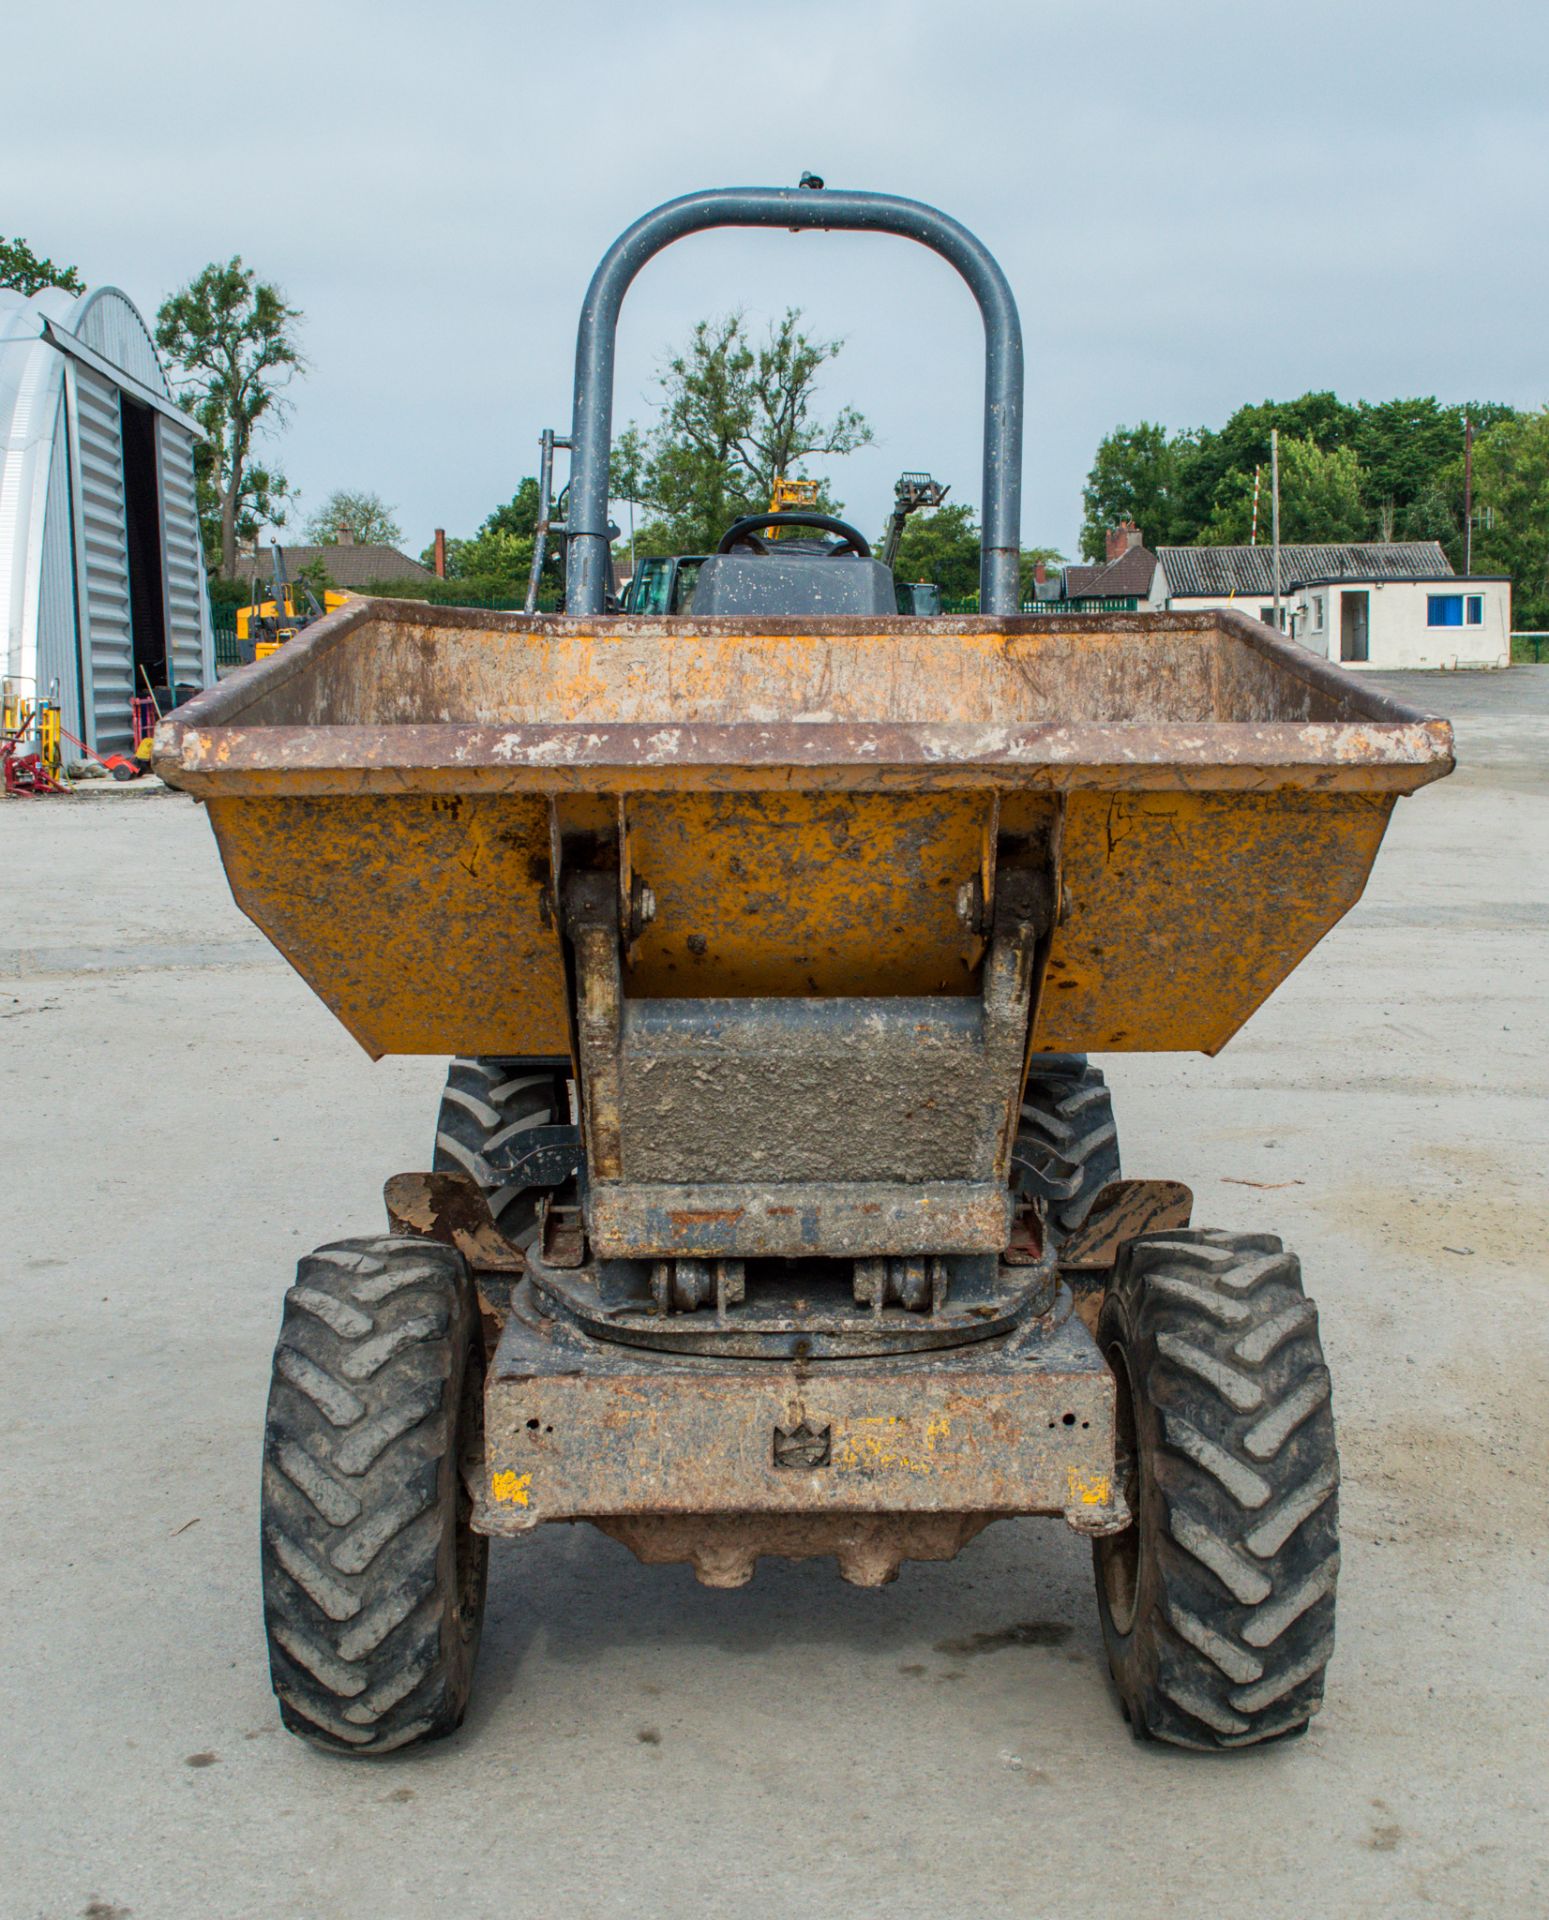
(373, 1578)
(1217, 1603)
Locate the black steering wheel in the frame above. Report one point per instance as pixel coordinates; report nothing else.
(743, 534)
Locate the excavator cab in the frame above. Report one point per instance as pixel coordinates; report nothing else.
(663, 583)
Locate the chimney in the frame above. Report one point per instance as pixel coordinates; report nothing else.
(1121, 538)
(440, 553)
(1040, 573)
(347, 539)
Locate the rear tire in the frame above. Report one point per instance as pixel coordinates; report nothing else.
(373, 1577)
(485, 1103)
(1067, 1115)
(1217, 1604)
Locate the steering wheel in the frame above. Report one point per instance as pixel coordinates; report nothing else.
(743, 534)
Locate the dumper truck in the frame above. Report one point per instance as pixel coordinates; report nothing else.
(775, 1205)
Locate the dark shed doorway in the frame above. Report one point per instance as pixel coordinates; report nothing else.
(1354, 625)
(142, 517)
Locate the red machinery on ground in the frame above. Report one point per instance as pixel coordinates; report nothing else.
(32, 773)
(35, 771)
(25, 773)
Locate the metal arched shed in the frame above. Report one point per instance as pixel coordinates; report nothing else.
(102, 581)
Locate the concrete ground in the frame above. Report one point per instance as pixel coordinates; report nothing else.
(181, 1118)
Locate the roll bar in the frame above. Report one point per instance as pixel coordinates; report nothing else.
(591, 433)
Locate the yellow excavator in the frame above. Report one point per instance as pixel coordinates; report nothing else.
(791, 495)
(265, 625)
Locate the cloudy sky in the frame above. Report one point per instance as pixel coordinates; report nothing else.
(1197, 204)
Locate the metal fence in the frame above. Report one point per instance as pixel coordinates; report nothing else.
(1114, 603)
(1530, 647)
(224, 621)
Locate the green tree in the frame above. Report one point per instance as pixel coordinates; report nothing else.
(1033, 558)
(1320, 499)
(315, 575)
(627, 477)
(1436, 512)
(734, 416)
(497, 560)
(1137, 476)
(1511, 499)
(365, 517)
(1376, 471)
(1405, 448)
(232, 339)
(1191, 486)
(785, 427)
(519, 516)
(943, 546)
(1212, 457)
(22, 269)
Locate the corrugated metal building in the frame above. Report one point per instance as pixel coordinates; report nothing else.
(102, 580)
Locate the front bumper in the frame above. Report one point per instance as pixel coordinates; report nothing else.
(581, 1428)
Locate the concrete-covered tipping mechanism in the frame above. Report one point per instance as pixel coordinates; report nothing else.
(826, 1188)
(775, 1206)
(842, 1126)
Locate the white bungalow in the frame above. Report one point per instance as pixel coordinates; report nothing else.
(1383, 604)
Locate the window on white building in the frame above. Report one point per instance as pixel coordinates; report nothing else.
(1444, 610)
(1317, 610)
(1475, 609)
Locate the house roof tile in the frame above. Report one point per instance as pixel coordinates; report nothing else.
(352, 566)
(1213, 571)
(1130, 574)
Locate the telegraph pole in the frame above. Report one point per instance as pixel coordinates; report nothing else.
(1468, 495)
(1274, 511)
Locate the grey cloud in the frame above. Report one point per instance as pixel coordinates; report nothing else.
(1198, 204)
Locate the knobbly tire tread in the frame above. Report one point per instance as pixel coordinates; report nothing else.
(1236, 1556)
(1067, 1109)
(484, 1102)
(373, 1580)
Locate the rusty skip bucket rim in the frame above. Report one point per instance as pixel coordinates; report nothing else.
(1383, 745)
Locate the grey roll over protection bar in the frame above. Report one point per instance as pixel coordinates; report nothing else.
(586, 571)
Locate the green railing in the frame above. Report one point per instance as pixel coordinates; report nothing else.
(224, 621)
(1114, 603)
(1529, 648)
